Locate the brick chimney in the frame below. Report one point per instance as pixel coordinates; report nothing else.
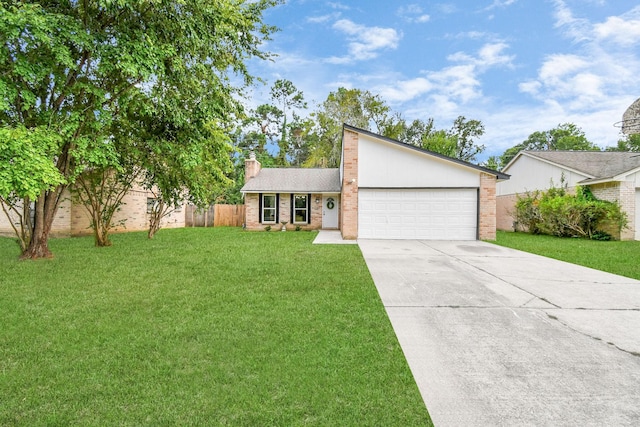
(251, 167)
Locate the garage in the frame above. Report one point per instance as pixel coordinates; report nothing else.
(429, 214)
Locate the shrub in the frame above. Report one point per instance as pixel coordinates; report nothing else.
(527, 213)
(557, 213)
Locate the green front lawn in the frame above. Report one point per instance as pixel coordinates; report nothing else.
(199, 327)
(613, 256)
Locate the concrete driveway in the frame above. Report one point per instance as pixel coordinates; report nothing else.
(495, 336)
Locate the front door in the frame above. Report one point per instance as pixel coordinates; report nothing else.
(330, 211)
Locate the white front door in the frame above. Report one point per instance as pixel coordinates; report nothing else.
(330, 206)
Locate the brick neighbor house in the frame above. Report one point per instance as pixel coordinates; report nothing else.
(383, 189)
(72, 219)
(611, 175)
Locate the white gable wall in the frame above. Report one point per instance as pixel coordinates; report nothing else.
(387, 165)
(635, 178)
(528, 174)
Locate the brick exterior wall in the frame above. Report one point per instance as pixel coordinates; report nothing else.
(624, 193)
(487, 205)
(132, 215)
(349, 196)
(59, 228)
(251, 167)
(252, 213)
(72, 219)
(505, 206)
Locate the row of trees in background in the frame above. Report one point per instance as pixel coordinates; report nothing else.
(315, 140)
(566, 136)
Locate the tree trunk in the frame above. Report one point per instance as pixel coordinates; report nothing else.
(155, 216)
(101, 236)
(46, 207)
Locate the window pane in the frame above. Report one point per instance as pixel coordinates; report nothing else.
(301, 202)
(269, 201)
(269, 215)
(301, 215)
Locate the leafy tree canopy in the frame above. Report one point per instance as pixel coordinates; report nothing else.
(76, 71)
(566, 136)
(628, 143)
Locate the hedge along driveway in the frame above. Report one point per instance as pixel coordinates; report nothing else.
(199, 326)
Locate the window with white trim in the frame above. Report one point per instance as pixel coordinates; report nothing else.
(269, 208)
(300, 209)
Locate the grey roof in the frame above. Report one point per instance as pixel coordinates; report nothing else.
(294, 180)
(595, 164)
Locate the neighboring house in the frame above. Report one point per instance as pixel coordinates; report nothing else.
(72, 219)
(384, 189)
(611, 175)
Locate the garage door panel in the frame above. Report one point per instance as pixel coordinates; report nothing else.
(430, 214)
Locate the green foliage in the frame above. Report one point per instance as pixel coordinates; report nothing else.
(627, 143)
(558, 213)
(99, 73)
(26, 169)
(368, 111)
(566, 136)
(354, 107)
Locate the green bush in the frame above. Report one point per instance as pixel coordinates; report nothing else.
(557, 213)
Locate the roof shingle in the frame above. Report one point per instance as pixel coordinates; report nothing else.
(597, 164)
(294, 180)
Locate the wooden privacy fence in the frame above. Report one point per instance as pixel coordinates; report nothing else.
(215, 216)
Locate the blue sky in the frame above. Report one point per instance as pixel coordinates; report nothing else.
(517, 65)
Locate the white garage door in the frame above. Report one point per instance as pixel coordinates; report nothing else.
(429, 214)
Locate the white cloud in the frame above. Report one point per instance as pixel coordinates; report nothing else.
(458, 82)
(619, 31)
(323, 18)
(365, 42)
(598, 71)
(446, 8)
(405, 90)
(500, 3)
(338, 6)
(558, 66)
(489, 55)
(414, 13)
(576, 28)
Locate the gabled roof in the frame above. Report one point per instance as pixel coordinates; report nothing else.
(598, 165)
(498, 175)
(294, 180)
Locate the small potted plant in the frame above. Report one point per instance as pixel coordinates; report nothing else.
(284, 225)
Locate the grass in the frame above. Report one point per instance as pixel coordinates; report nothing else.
(199, 327)
(613, 256)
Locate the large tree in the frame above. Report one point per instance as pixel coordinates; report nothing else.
(354, 107)
(288, 97)
(629, 142)
(72, 71)
(566, 136)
